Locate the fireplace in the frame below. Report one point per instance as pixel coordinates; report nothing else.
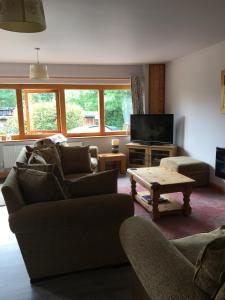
(220, 162)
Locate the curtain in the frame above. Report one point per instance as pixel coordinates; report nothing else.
(137, 95)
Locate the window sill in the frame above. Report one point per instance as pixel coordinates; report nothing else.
(69, 138)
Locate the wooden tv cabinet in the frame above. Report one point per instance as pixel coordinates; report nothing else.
(148, 155)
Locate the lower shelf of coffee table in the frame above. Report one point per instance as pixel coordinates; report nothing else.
(172, 206)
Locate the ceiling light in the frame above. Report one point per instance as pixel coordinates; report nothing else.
(22, 15)
(38, 71)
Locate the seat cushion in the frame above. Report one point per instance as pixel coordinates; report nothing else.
(75, 159)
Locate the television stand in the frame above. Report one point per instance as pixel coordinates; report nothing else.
(150, 143)
(140, 155)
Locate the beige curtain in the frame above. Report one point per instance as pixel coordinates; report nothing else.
(137, 95)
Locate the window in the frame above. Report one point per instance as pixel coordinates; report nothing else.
(32, 111)
(118, 108)
(40, 111)
(8, 112)
(82, 111)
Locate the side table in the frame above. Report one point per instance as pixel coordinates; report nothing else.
(111, 157)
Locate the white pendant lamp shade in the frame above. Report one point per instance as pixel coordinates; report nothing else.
(22, 15)
(38, 71)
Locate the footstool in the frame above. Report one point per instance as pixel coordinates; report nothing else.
(190, 167)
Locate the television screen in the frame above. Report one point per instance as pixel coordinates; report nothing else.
(151, 128)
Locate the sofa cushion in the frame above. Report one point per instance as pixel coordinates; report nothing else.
(40, 167)
(75, 159)
(36, 158)
(50, 156)
(210, 267)
(37, 186)
(95, 184)
(57, 145)
(52, 141)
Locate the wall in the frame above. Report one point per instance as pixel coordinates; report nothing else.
(193, 95)
(103, 143)
(99, 71)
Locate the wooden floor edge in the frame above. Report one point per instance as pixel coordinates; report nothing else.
(217, 187)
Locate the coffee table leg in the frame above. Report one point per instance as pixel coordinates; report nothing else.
(155, 203)
(133, 188)
(186, 198)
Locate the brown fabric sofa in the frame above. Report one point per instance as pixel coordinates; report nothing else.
(163, 269)
(64, 236)
(58, 140)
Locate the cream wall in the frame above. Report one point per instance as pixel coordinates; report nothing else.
(193, 95)
(100, 71)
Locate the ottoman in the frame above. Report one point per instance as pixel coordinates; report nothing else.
(190, 167)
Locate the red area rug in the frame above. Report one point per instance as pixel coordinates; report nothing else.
(208, 212)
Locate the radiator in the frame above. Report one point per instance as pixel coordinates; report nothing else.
(10, 154)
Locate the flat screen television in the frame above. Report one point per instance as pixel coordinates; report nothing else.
(152, 128)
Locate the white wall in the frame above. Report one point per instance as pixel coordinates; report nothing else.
(99, 71)
(193, 95)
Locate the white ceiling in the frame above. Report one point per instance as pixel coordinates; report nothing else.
(118, 31)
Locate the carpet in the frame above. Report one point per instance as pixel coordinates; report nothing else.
(208, 212)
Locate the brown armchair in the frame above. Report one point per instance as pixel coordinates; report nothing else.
(164, 269)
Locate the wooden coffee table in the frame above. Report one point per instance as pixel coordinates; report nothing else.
(158, 181)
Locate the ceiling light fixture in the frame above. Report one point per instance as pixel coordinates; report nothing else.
(22, 15)
(38, 71)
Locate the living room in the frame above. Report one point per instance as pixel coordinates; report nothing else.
(192, 49)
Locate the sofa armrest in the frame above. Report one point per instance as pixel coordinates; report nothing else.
(93, 151)
(162, 270)
(80, 213)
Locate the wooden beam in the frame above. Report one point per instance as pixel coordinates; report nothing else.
(156, 88)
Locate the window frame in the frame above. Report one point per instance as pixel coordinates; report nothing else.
(33, 91)
(61, 107)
